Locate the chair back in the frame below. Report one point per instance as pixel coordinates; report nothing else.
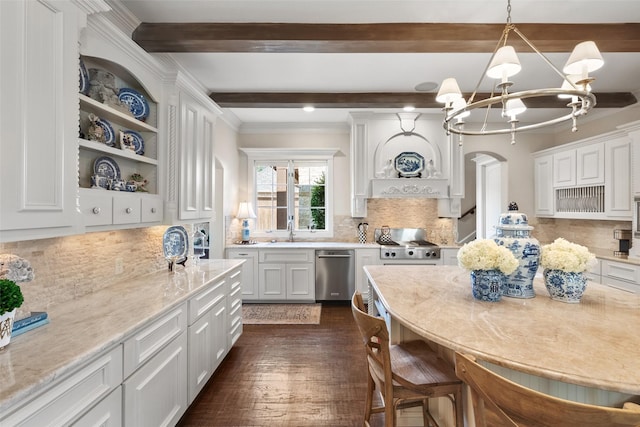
(376, 340)
(519, 406)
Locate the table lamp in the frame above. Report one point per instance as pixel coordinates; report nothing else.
(245, 211)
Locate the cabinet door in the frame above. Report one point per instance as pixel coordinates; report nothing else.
(207, 346)
(365, 257)
(618, 199)
(38, 119)
(271, 281)
(359, 172)
(449, 256)
(301, 282)
(590, 164)
(564, 168)
(156, 394)
(250, 289)
(543, 191)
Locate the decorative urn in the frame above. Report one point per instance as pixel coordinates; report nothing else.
(513, 232)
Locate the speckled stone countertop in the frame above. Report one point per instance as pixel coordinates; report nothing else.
(594, 343)
(608, 255)
(83, 328)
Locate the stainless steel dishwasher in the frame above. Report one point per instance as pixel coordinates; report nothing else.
(335, 274)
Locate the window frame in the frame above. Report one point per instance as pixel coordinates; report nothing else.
(261, 155)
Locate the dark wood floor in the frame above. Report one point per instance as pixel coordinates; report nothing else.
(289, 375)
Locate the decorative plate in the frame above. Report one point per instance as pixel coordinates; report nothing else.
(84, 79)
(136, 102)
(136, 138)
(107, 167)
(409, 164)
(175, 243)
(109, 134)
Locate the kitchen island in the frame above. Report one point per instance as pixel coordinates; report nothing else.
(585, 352)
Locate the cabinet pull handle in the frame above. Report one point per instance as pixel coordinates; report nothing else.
(153, 210)
(96, 210)
(128, 210)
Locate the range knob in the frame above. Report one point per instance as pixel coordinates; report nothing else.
(410, 252)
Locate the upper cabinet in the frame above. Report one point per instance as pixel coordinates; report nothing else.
(586, 179)
(192, 117)
(38, 119)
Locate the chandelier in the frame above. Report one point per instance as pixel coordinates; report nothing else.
(504, 63)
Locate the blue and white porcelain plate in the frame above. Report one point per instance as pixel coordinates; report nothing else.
(84, 79)
(175, 243)
(138, 105)
(409, 164)
(109, 134)
(138, 142)
(107, 167)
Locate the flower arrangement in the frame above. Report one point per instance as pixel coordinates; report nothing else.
(566, 256)
(486, 254)
(10, 296)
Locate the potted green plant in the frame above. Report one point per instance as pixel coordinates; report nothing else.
(10, 299)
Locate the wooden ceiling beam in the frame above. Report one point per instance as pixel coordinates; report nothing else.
(383, 100)
(377, 38)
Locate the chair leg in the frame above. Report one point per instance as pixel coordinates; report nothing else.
(457, 405)
(369, 399)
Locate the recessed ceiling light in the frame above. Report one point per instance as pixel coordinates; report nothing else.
(308, 108)
(409, 108)
(426, 86)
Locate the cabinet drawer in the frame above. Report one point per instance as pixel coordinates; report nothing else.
(107, 413)
(288, 256)
(96, 210)
(621, 284)
(70, 398)
(143, 345)
(151, 209)
(126, 209)
(621, 271)
(201, 303)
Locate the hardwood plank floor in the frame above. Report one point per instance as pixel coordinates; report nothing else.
(289, 375)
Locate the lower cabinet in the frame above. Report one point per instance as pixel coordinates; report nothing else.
(365, 256)
(449, 256)
(107, 413)
(156, 394)
(250, 289)
(287, 275)
(621, 275)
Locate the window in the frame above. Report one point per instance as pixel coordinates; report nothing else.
(291, 193)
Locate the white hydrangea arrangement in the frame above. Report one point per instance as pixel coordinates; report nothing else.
(566, 256)
(486, 254)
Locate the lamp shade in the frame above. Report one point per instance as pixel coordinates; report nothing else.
(573, 78)
(515, 107)
(449, 91)
(505, 63)
(245, 211)
(584, 59)
(458, 104)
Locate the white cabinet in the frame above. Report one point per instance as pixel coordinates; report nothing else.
(449, 256)
(618, 197)
(155, 371)
(621, 275)
(365, 256)
(250, 288)
(286, 275)
(594, 273)
(208, 330)
(71, 398)
(38, 119)
(101, 211)
(590, 164)
(564, 169)
(359, 158)
(107, 413)
(234, 306)
(543, 182)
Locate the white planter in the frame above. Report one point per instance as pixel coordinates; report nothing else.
(6, 324)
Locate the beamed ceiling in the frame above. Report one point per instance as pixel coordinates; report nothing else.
(376, 38)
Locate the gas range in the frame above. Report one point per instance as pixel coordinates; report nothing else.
(405, 244)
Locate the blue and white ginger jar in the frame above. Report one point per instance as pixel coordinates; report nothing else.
(512, 232)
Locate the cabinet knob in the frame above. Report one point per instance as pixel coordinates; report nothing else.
(128, 210)
(153, 210)
(96, 210)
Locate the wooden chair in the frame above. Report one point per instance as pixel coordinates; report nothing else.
(500, 402)
(405, 375)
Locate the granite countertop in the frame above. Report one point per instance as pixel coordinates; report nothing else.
(594, 343)
(84, 327)
(315, 245)
(608, 255)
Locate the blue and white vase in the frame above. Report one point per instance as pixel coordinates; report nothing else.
(565, 286)
(487, 285)
(512, 232)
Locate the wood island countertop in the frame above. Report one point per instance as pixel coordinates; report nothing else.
(594, 343)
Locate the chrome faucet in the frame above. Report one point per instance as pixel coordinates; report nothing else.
(290, 229)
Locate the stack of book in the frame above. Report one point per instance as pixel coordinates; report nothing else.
(37, 318)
